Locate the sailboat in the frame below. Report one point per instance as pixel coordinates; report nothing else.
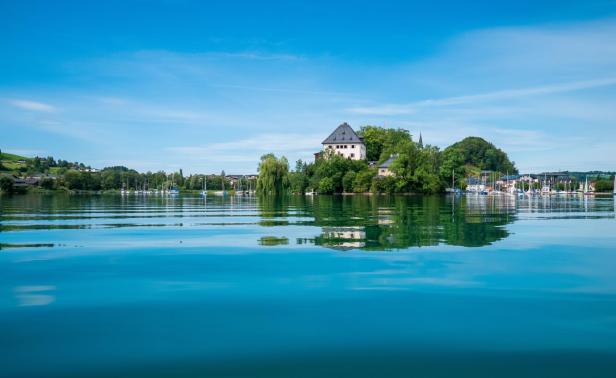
(137, 189)
(204, 191)
(238, 189)
(146, 187)
(453, 184)
(586, 188)
(173, 190)
(545, 189)
(222, 192)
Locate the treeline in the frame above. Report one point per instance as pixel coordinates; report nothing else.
(39, 164)
(116, 178)
(415, 168)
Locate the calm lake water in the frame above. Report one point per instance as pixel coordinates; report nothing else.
(307, 287)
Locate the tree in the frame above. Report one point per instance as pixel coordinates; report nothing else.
(7, 184)
(73, 180)
(383, 185)
(273, 175)
(348, 180)
(381, 142)
(47, 183)
(298, 182)
(604, 185)
(363, 181)
(326, 185)
(300, 166)
(334, 167)
(479, 153)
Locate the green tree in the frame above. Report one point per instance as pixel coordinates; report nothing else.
(326, 185)
(273, 175)
(381, 142)
(334, 167)
(298, 182)
(347, 181)
(384, 185)
(604, 185)
(479, 153)
(363, 181)
(7, 184)
(73, 180)
(47, 183)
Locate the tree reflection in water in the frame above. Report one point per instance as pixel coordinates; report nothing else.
(381, 223)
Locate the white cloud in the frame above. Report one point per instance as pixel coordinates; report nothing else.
(540, 93)
(544, 94)
(256, 145)
(32, 105)
(249, 150)
(395, 109)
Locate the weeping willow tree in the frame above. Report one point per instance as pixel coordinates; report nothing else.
(273, 175)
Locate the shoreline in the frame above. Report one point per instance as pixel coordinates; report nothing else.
(233, 193)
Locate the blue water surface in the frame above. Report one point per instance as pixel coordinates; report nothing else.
(307, 286)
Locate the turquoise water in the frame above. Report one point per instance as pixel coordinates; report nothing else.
(325, 286)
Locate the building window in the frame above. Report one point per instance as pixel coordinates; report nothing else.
(352, 155)
(352, 146)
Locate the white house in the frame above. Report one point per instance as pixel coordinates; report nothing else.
(344, 142)
(384, 168)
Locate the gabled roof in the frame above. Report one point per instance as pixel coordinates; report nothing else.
(388, 162)
(343, 134)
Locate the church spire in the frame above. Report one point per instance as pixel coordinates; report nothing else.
(420, 140)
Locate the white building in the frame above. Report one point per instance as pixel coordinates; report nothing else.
(344, 142)
(384, 168)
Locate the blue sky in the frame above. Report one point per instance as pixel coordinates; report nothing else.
(206, 86)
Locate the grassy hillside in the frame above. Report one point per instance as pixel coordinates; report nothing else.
(10, 162)
(11, 157)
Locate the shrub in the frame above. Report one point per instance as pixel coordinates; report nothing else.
(7, 184)
(326, 185)
(347, 181)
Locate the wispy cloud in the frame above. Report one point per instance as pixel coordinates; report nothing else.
(249, 150)
(538, 92)
(256, 55)
(396, 109)
(32, 105)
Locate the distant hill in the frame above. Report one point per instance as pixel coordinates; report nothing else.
(12, 162)
(16, 164)
(580, 176)
(479, 153)
(12, 157)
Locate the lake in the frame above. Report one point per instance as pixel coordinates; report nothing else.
(364, 286)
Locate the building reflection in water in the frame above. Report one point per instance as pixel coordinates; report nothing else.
(381, 223)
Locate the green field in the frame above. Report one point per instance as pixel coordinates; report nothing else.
(10, 161)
